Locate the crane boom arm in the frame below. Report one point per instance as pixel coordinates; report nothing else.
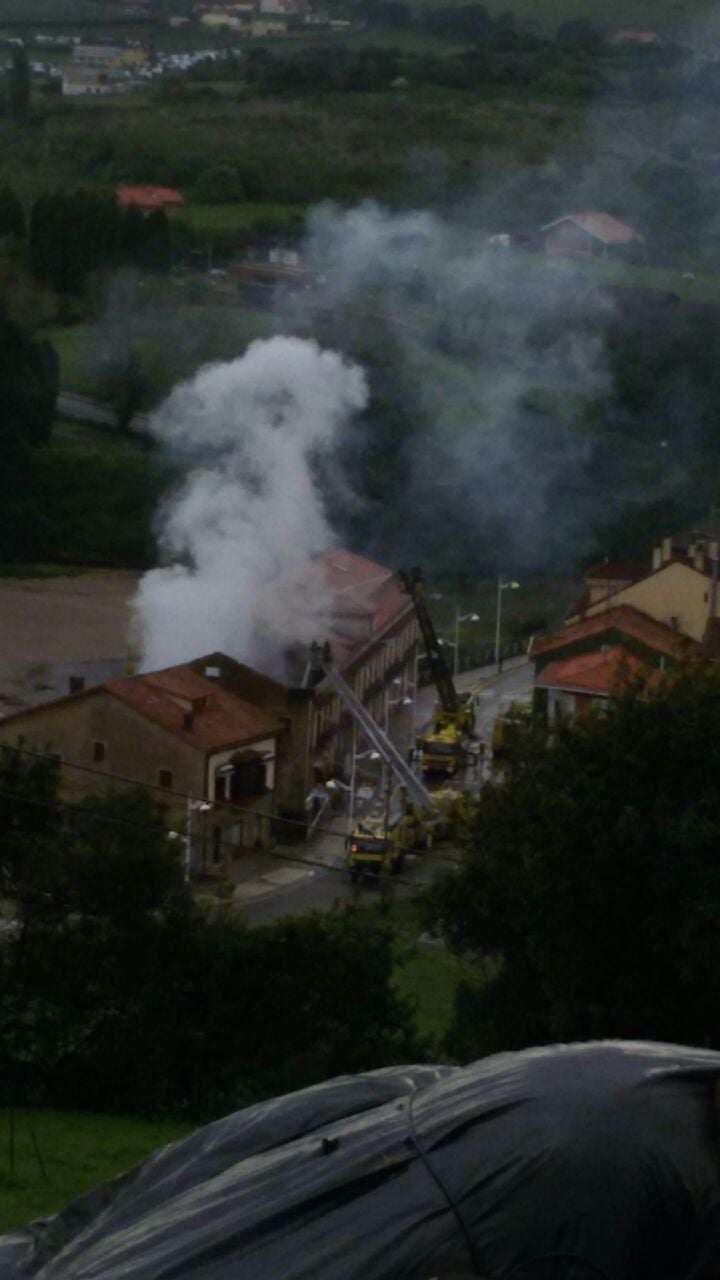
(414, 584)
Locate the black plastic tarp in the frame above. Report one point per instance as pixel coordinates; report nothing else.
(572, 1161)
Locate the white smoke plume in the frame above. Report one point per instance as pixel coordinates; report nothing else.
(249, 433)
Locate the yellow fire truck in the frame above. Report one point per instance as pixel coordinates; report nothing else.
(443, 748)
(378, 846)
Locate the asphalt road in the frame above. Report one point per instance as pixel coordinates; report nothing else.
(83, 409)
(325, 890)
(330, 890)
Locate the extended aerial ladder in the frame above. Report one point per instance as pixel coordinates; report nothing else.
(381, 838)
(393, 758)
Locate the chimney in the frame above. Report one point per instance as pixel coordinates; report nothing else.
(657, 557)
(666, 549)
(314, 671)
(76, 684)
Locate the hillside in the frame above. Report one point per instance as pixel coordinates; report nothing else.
(674, 16)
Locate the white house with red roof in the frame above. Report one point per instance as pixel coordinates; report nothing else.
(592, 659)
(181, 734)
(589, 235)
(679, 589)
(633, 619)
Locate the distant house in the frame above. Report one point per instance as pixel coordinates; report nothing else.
(588, 235)
(284, 8)
(590, 659)
(605, 579)
(633, 35)
(633, 619)
(275, 26)
(148, 198)
(680, 589)
(261, 281)
(221, 18)
(99, 55)
(82, 81)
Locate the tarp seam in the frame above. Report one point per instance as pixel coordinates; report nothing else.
(455, 1208)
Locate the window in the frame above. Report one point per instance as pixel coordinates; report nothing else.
(165, 778)
(98, 752)
(248, 780)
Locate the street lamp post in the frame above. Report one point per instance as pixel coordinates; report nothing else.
(415, 689)
(460, 617)
(501, 586)
(192, 806)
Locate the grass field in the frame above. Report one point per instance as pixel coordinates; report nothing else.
(72, 469)
(425, 974)
(78, 1150)
(219, 219)
(695, 286)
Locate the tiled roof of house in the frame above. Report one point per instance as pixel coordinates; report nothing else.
(676, 558)
(601, 674)
(338, 590)
(616, 571)
(219, 717)
(633, 35)
(603, 226)
(148, 197)
(625, 619)
(250, 685)
(206, 714)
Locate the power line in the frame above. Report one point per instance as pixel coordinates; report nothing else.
(222, 805)
(144, 826)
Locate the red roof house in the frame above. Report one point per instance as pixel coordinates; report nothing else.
(588, 235)
(595, 657)
(148, 198)
(180, 733)
(339, 597)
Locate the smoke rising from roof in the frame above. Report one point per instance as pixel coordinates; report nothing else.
(248, 434)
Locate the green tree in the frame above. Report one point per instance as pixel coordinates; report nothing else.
(30, 819)
(118, 994)
(29, 379)
(119, 861)
(590, 886)
(12, 218)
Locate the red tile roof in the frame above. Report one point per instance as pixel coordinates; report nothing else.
(341, 590)
(149, 197)
(219, 718)
(624, 618)
(617, 571)
(603, 226)
(601, 674)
